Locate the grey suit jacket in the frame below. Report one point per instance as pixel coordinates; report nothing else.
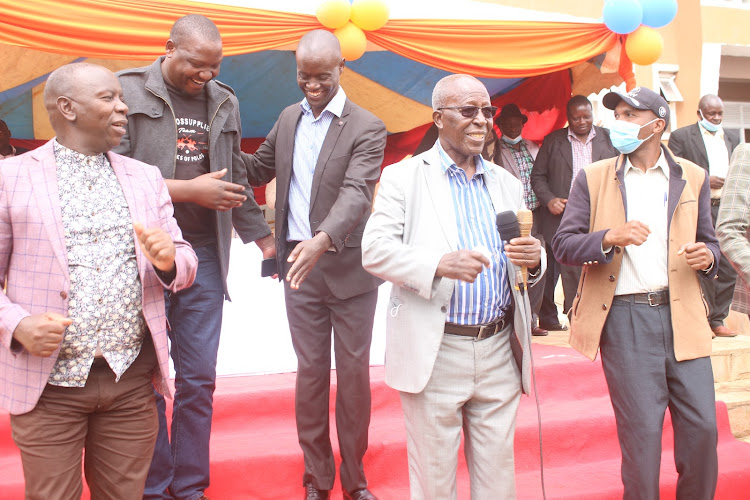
(687, 142)
(552, 174)
(345, 176)
(733, 224)
(413, 225)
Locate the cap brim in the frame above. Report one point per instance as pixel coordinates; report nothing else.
(612, 99)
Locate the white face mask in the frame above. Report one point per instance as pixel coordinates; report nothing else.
(711, 127)
(512, 141)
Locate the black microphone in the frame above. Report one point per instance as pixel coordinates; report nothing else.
(508, 227)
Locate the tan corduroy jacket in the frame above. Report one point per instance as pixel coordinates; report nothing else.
(597, 204)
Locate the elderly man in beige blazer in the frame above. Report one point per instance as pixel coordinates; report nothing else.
(457, 331)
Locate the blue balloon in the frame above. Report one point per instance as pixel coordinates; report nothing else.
(658, 13)
(622, 16)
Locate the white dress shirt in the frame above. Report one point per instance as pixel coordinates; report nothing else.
(718, 156)
(308, 141)
(644, 267)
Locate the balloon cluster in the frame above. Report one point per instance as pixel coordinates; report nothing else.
(637, 19)
(348, 20)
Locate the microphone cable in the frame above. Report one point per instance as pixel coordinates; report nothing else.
(536, 398)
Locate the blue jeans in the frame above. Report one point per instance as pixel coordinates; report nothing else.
(195, 317)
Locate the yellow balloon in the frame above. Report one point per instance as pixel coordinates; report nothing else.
(333, 14)
(353, 41)
(370, 15)
(644, 46)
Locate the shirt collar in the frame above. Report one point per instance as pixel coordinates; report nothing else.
(446, 162)
(335, 105)
(660, 163)
(65, 152)
(9, 155)
(719, 133)
(572, 137)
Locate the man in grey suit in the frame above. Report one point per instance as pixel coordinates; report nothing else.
(457, 336)
(326, 154)
(707, 144)
(563, 154)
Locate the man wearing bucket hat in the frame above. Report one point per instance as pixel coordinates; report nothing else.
(516, 155)
(640, 224)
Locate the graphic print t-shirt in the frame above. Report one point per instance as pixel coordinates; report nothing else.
(191, 119)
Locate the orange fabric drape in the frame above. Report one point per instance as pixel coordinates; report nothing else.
(137, 29)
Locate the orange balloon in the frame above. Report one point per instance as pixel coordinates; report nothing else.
(370, 15)
(333, 14)
(644, 46)
(353, 41)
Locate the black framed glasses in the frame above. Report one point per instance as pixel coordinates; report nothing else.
(471, 111)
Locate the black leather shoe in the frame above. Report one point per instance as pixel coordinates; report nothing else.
(313, 493)
(363, 494)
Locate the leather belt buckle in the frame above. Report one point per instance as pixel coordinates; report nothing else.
(489, 330)
(653, 299)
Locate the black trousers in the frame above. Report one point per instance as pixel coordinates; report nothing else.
(645, 379)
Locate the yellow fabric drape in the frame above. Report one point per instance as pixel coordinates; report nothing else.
(137, 29)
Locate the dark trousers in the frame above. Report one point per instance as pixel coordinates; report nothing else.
(181, 458)
(114, 422)
(313, 311)
(718, 292)
(570, 276)
(645, 379)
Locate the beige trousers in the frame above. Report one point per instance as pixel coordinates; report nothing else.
(475, 386)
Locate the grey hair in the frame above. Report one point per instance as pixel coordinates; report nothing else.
(442, 91)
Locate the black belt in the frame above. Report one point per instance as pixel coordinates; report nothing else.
(715, 202)
(651, 298)
(479, 332)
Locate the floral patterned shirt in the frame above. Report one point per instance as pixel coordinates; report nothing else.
(105, 288)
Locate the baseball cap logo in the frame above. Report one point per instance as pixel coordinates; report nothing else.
(662, 111)
(633, 94)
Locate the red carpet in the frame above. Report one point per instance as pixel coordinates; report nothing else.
(255, 454)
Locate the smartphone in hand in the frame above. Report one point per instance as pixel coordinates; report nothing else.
(268, 267)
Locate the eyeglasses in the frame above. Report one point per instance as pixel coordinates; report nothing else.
(471, 111)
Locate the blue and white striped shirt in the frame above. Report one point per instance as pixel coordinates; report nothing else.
(484, 300)
(308, 140)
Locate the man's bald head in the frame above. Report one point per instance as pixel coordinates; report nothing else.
(85, 107)
(62, 82)
(319, 68)
(450, 86)
(321, 42)
(711, 108)
(710, 100)
(194, 27)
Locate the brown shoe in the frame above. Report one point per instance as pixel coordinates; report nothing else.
(539, 332)
(723, 331)
(313, 493)
(363, 494)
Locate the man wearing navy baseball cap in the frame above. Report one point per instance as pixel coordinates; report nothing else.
(640, 224)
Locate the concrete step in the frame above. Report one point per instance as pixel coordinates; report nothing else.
(736, 395)
(731, 358)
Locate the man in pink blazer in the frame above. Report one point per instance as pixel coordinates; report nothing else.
(87, 246)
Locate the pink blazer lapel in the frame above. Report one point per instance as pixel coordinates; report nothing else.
(43, 174)
(129, 182)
